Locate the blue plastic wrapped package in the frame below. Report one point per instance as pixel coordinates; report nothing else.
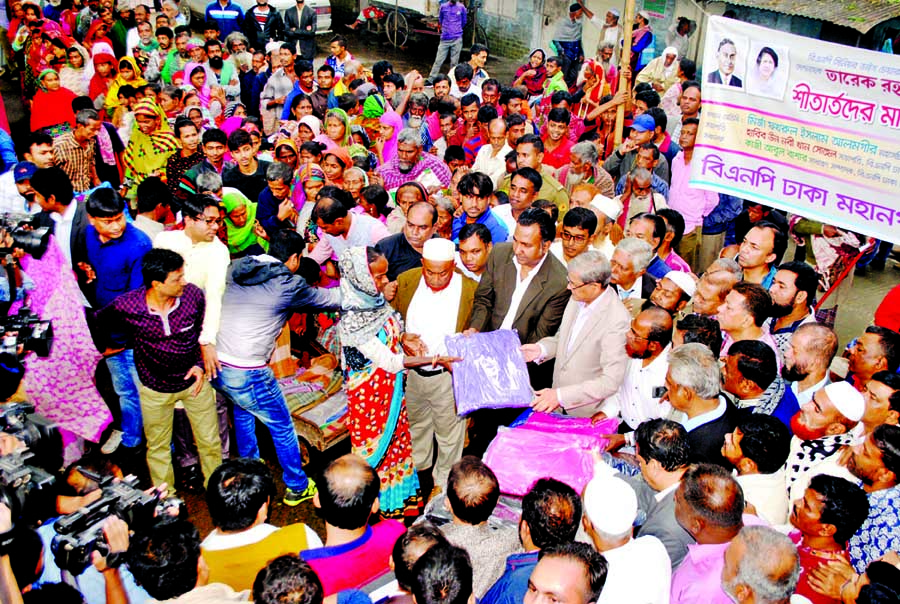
(492, 374)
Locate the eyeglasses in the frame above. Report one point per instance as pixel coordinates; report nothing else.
(566, 236)
(208, 221)
(573, 287)
(636, 335)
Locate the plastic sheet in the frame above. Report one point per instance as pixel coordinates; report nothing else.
(492, 374)
(546, 446)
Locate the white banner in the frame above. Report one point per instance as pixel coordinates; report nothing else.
(806, 126)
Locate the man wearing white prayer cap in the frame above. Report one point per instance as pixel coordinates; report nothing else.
(435, 301)
(674, 291)
(639, 569)
(821, 429)
(607, 211)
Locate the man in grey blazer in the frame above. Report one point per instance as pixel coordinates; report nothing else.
(665, 452)
(523, 288)
(588, 347)
(300, 29)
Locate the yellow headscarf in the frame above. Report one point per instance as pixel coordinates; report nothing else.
(112, 97)
(148, 153)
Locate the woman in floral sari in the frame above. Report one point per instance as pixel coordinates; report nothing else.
(151, 144)
(373, 362)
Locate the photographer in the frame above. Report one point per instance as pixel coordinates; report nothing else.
(112, 588)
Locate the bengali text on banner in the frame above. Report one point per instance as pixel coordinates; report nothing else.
(806, 126)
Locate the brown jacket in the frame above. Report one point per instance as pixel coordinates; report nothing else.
(408, 283)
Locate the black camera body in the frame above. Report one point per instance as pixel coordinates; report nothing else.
(20, 333)
(26, 235)
(39, 434)
(24, 488)
(81, 533)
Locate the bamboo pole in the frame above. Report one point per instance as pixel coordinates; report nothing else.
(626, 60)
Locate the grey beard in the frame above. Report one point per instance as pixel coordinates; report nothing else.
(573, 179)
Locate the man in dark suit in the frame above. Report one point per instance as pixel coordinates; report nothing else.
(67, 219)
(693, 386)
(662, 445)
(524, 288)
(435, 301)
(300, 28)
(726, 56)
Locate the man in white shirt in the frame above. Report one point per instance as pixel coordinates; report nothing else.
(757, 449)
(639, 398)
(435, 301)
(343, 229)
(16, 194)
(491, 159)
(639, 568)
(588, 346)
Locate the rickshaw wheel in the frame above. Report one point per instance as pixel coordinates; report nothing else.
(401, 35)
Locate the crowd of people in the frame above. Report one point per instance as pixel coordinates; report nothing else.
(204, 193)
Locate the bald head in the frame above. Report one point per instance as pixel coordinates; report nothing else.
(709, 503)
(348, 492)
(472, 490)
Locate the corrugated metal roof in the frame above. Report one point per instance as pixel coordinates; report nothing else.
(861, 15)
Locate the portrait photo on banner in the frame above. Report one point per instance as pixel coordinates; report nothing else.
(728, 54)
(768, 67)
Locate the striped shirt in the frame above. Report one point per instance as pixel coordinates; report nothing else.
(76, 161)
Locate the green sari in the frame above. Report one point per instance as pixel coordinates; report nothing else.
(240, 238)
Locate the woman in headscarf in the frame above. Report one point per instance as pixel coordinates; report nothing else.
(76, 75)
(532, 75)
(337, 128)
(354, 181)
(97, 33)
(589, 92)
(198, 81)
(51, 108)
(200, 117)
(307, 183)
(386, 144)
(308, 128)
(334, 162)
(286, 152)
(104, 74)
(373, 108)
(661, 72)
(234, 109)
(129, 73)
(374, 362)
(152, 143)
(246, 237)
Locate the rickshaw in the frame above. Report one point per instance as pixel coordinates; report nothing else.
(403, 20)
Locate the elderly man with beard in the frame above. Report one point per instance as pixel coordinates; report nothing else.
(793, 293)
(583, 169)
(435, 301)
(821, 428)
(638, 196)
(638, 398)
(410, 162)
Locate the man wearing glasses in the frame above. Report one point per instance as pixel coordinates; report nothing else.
(589, 364)
(300, 28)
(579, 225)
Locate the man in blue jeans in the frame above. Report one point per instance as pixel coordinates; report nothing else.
(114, 251)
(261, 293)
(452, 21)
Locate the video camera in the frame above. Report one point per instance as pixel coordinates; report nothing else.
(20, 333)
(40, 435)
(81, 533)
(26, 235)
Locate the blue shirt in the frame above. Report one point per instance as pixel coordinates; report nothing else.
(453, 20)
(512, 585)
(117, 262)
(498, 230)
(658, 269)
(229, 18)
(880, 533)
(286, 112)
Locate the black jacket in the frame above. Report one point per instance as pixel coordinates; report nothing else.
(272, 30)
(295, 24)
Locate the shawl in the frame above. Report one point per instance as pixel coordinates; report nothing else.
(311, 122)
(231, 124)
(52, 107)
(77, 79)
(374, 106)
(364, 309)
(342, 115)
(205, 92)
(240, 238)
(112, 98)
(391, 118)
(231, 107)
(639, 33)
(148, 153)
(100, 85)
(92, 38)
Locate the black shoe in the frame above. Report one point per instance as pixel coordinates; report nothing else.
(190, 479)
(876, 265)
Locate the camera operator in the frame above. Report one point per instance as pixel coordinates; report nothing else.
(110, 589)
(16, 193)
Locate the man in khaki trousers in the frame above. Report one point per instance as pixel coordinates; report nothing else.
(435, 301)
